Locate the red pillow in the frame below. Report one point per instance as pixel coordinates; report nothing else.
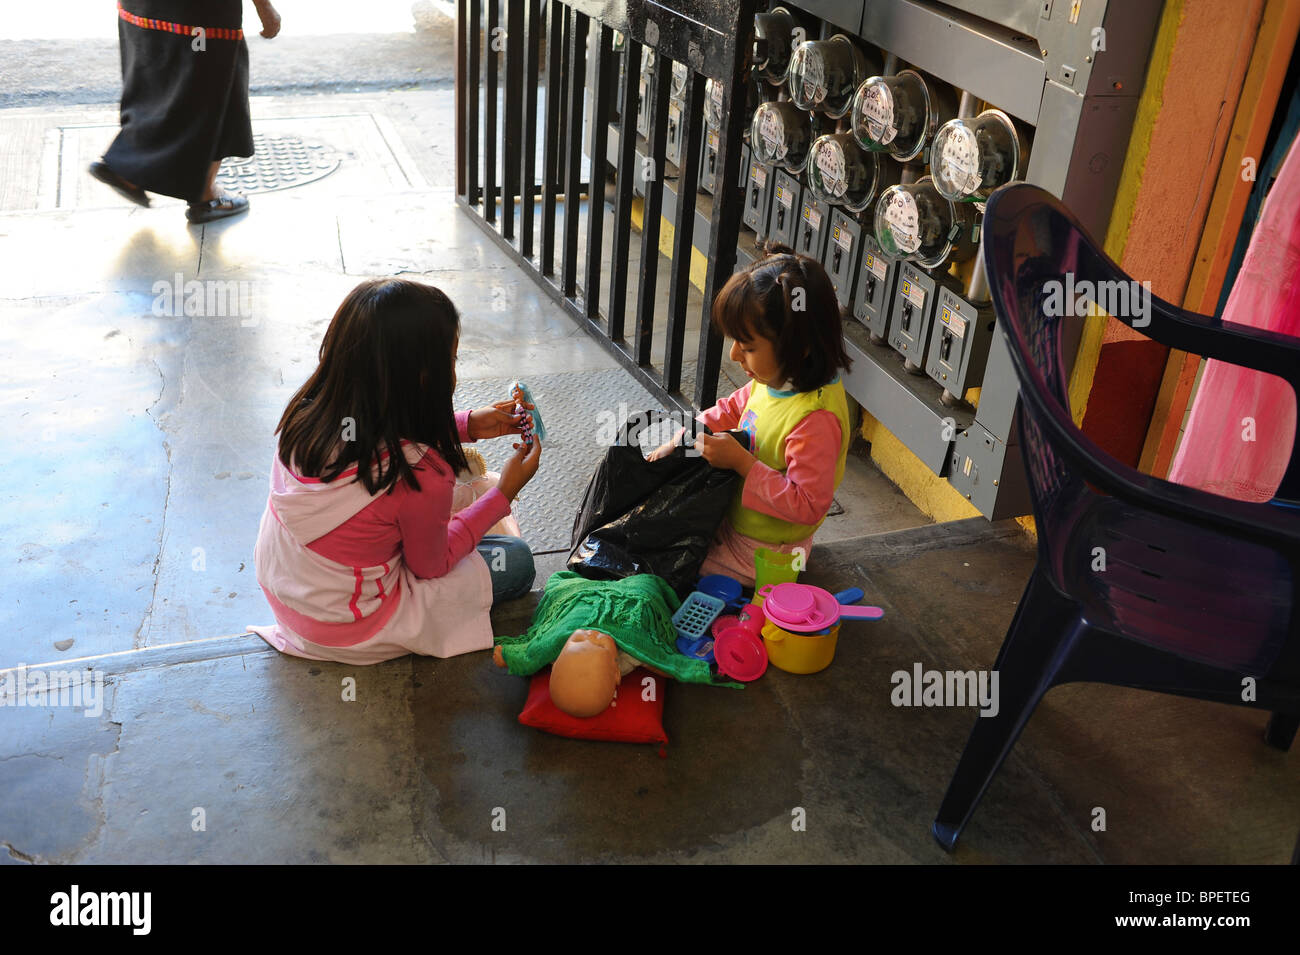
(630, 718)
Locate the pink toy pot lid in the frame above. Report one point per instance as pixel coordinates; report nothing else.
(797, 607)
(740, 655)
(803, 608)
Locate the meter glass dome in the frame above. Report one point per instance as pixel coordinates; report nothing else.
(679, 78)
(773, 41)
(824, 75)
(781, 134)
(894, 114)
(972, 157)
(841, 172)
(915, 222)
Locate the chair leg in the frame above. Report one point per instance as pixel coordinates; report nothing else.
(1045, 627)
(1281, 730)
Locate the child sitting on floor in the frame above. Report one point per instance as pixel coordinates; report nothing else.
(784, 319)
(359, 553)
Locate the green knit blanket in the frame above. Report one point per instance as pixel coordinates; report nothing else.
(636, 611)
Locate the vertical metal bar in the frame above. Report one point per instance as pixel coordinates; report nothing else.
(727, 209)
(490, 91)
(606, 90)
(515, 93)
(550, 160)
(651, 210)
(473, 38)
(461, 17)
(626, 173)
(533, 31)
(689, 129)
(575, 95)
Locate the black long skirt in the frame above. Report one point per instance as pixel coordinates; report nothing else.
(184, 102)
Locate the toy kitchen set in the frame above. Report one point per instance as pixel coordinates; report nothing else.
(876, 130)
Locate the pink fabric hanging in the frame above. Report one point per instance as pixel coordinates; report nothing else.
(1216, 453)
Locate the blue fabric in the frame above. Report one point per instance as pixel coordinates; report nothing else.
(510, 562)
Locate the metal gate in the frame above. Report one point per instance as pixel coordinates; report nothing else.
(537, 214)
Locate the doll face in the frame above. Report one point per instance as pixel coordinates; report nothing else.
(585, 674)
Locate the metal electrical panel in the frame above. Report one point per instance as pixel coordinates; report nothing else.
(843, 247)
(876, 281)
(913, 311)
(783, 224)
(645, 93)
(709, 160)
(814, 221)
(959, 344)
(758, 197)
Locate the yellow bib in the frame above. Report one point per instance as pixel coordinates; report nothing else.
(769, 417)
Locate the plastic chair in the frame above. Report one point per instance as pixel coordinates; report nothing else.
(1199, 591)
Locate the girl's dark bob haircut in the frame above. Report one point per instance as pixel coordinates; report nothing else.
(387, 371)
(788, 299)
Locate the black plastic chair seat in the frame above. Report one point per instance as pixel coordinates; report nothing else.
(1213, 598)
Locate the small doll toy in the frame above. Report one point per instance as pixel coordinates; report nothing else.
(524, 404)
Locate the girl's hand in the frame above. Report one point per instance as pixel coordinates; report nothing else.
(666, 448)
(725, 452)
(493, 422)
(270, 19)
(519, 470)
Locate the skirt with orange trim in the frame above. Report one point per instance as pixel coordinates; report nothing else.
(184, 93)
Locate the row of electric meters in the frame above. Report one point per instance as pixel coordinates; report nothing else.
(831, 167)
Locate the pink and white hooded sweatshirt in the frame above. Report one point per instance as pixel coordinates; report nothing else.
(331, 604)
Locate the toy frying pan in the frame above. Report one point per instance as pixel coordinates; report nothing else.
(803, 608)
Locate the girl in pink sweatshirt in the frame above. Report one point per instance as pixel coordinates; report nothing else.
(784, 319)
(358, 553)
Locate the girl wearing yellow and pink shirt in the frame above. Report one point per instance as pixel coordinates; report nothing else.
(784, 319)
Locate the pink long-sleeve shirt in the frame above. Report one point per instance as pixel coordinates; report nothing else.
(419, 524)
(803, 493)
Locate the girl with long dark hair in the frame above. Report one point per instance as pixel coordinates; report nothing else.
(358, 553)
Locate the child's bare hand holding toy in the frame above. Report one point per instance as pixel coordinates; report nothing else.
(521, 467)
(496, 421)
(725, 452)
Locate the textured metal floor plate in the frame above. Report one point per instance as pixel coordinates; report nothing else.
(579, 411)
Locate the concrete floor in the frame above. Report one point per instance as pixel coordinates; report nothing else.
(127, 528)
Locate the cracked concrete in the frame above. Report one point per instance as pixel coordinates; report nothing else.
(127, 531)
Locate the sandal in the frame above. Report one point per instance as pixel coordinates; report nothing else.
(119, 185)
(223, 207)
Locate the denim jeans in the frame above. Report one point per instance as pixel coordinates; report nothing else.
(511, 564)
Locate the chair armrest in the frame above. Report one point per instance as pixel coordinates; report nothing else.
(1277, 525)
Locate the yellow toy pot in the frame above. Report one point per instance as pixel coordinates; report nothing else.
(799, 652)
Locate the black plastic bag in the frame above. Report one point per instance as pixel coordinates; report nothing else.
(650, 517)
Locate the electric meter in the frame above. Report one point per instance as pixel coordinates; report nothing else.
(755, 95)
(972, 157)
(842, 173)
(781, 134)
(895, 114)
(713, 103)
(773, 38)
(915, 222)
(680, 71)
(645, 92)
(824, 74)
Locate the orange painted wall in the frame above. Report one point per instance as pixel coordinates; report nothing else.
(1201, 90)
